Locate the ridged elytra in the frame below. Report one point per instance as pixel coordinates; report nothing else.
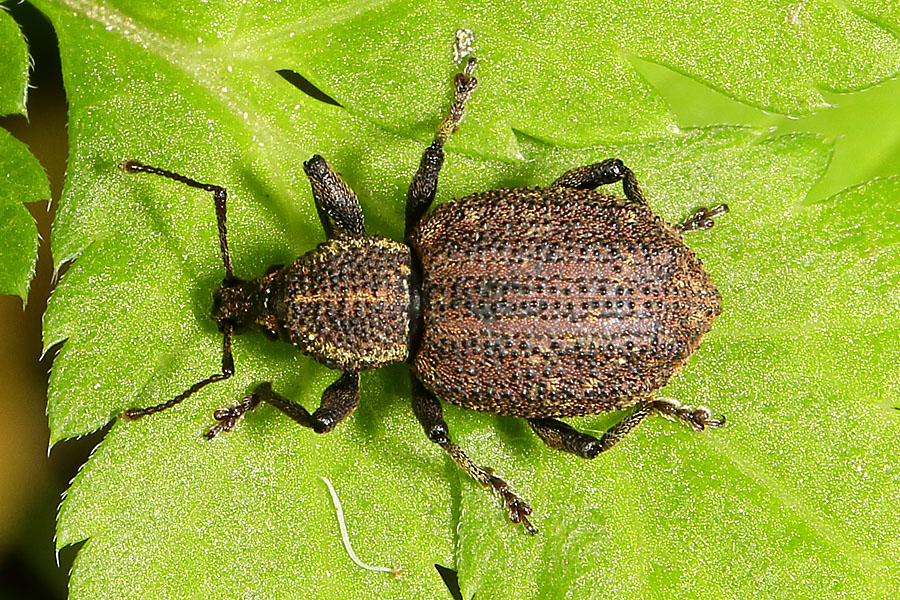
(532, 302)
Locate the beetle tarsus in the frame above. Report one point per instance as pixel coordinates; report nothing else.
(464, 84)
(228, 417)
(698, 417)
(702, 219)
(518, 508)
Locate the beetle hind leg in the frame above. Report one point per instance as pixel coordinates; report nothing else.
(698, 417)
(702, 219)
(428, 411)
(562, 436)
(607, 171)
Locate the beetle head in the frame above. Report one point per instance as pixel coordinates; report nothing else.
(244, 305)
(236, 303)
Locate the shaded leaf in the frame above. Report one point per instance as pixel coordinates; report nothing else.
(13, 67)
(22, 179)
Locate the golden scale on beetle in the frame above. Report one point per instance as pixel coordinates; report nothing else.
(537, 303)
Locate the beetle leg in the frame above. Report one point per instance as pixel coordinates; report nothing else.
(423, 187)
(424, 184)
(698, 417)
(604, 172)
(702, 218)
(464, 84)
(339, 400)
(428, 411)
(337, 205)
(564, 437)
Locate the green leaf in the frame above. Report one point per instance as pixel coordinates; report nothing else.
(195, 89)
(22, 179)
(865, 148)
(13, 67)
(561, 73)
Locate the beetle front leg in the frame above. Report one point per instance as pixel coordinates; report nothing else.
(339, 401)
(337, 204)
(428, 411)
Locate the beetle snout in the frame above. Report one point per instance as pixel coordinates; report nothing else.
(234, 304)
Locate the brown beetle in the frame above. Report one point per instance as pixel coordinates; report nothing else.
(531, 302)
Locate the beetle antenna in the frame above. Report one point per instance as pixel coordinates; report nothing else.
(130, 414)
(219, 194)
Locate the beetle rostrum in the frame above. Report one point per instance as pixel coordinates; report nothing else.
(532, 302)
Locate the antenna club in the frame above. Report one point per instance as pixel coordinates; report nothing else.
(130, 166)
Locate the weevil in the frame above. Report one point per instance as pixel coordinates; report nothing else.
(540, 303)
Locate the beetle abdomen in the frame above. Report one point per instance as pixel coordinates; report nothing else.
(346, 303)
(555, 302)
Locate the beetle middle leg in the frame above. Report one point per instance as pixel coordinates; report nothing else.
(608, 171)
(564, 437)
(424, 184)
(428, 411)
(339, 401)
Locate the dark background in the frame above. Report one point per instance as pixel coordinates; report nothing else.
(31, 484)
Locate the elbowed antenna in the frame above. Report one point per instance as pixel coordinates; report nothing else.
(130, 414)
(220, 196)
